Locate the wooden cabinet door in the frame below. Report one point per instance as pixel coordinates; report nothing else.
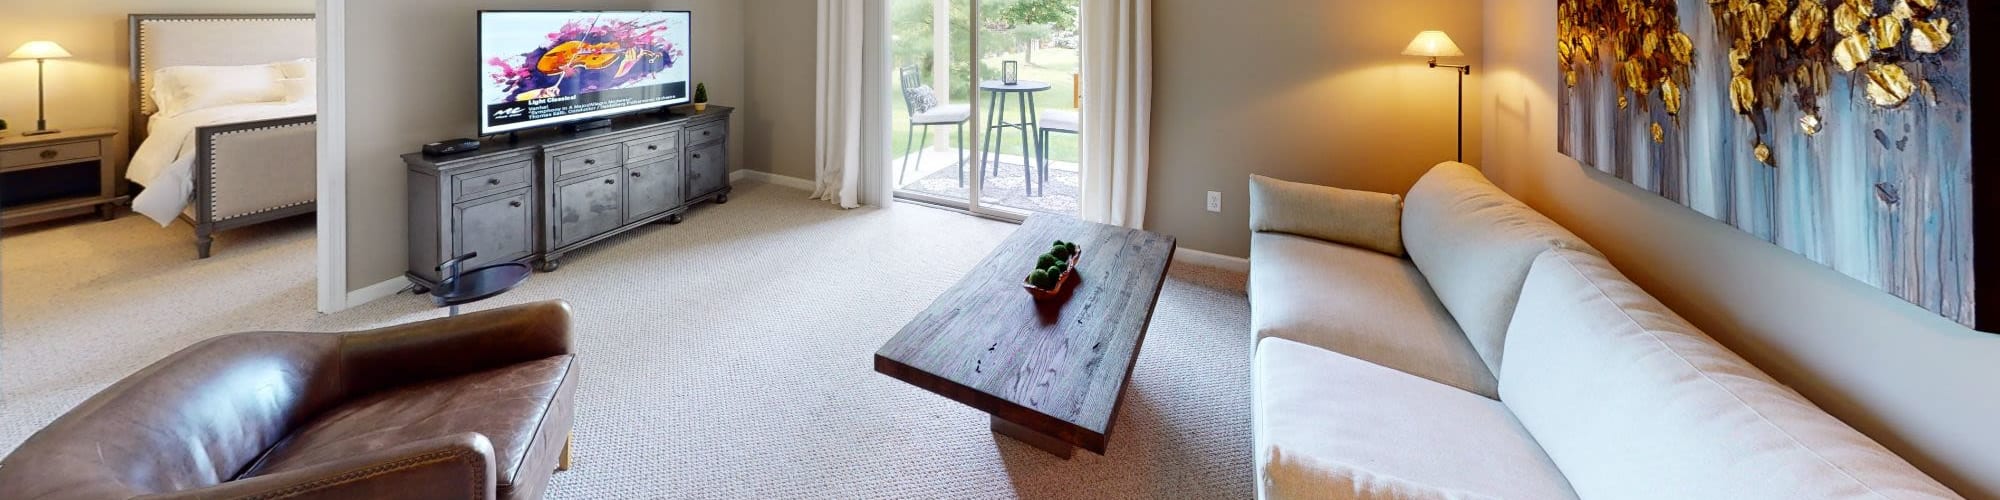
(588, 206)
(501, 228)
(652, 187)
(707, 169)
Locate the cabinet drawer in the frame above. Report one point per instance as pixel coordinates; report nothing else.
(652, 146)
(478, 183)
(708, 132)
(48, 154)
(589, 160)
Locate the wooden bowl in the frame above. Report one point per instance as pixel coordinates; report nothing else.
(1062, 282)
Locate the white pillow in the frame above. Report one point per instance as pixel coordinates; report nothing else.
(299, 90)
(181, 89)
(297, 68)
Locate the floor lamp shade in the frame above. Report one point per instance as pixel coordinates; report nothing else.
(1432, 44)
(41, 51)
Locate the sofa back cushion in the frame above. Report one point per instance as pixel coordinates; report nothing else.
(1474, 244)
(1631, 401)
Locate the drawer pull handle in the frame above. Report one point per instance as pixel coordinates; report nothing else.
(515, 203)
(635, 174)
(611, 181)
(697, 156)
(48, 154)
(590, 162)
(493, 182)
(652, 147)
(705, 133)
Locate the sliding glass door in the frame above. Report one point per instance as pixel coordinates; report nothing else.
(996, 134)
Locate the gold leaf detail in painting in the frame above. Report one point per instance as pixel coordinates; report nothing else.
(1888, 85)
(1930, 37)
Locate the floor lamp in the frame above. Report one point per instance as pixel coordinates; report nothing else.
(41, 52)
(1435, 44)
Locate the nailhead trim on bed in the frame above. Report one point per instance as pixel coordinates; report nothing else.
(215, 157)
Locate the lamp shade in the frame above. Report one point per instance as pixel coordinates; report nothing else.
(1432, 44)
(39, 49)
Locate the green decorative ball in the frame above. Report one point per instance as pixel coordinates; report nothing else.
(1072, 248)
(1046, 260)
(1042, 279)
(1061, 252)
(1059, 268)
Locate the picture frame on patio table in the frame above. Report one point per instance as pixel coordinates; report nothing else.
(1837, 129)
(1010, 72)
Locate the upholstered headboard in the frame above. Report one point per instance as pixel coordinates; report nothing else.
(166, 40)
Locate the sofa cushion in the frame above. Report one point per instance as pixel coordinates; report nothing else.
(1633, 402)
(1360, 218)
(1474, 244)
(1360, 303)
(1384, 431)
(517, 409)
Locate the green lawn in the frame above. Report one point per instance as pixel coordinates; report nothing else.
(1053, 65)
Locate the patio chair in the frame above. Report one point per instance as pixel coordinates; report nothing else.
(1050, 122)
(925, 111)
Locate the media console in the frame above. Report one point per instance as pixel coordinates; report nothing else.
(548, 193)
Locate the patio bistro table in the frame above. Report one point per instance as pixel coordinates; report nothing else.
(996, 122)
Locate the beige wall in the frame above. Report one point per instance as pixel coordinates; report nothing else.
(1920, 384)
(1307, 90)
(90, 89)
(395, 108)
(779, 51)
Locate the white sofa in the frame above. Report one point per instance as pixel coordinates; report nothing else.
(1504, 358)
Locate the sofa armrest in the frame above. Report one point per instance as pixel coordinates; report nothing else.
(458, 466)
(446, 347)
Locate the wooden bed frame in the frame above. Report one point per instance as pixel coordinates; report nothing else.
(216, 172)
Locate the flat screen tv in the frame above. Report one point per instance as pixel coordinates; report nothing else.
(542, 68)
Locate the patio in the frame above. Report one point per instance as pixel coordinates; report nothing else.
(933, 173)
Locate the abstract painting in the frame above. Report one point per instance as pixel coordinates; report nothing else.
(1838, 129)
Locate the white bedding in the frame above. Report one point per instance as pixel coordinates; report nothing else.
(165, 161)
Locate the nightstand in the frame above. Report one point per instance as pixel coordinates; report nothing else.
(57, 175)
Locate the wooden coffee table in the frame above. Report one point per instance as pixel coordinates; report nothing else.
(1051, 373)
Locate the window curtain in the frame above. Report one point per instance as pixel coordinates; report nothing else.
(838, 147)
(1117, 109)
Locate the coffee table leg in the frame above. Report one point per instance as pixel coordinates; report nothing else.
(1036, 439)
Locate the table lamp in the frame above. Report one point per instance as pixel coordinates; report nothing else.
(41, 51)
(1435, 44)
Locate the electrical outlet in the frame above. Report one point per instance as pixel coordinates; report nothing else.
(1215, 201)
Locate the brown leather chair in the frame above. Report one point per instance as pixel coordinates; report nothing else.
(476, 406)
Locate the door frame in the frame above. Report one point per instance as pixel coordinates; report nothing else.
(331, 159)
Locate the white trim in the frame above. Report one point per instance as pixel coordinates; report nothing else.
(1194, 257)
(332, 158)
(743, 174)
(377, 291)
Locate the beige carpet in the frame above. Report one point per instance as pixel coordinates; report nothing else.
(729, 356)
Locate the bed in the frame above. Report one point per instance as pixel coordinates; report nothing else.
(221, 167)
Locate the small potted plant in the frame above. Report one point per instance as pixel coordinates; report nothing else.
(700, 97)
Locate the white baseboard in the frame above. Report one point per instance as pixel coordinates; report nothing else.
(770, 178)
(1205, 259)
(376, 291)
